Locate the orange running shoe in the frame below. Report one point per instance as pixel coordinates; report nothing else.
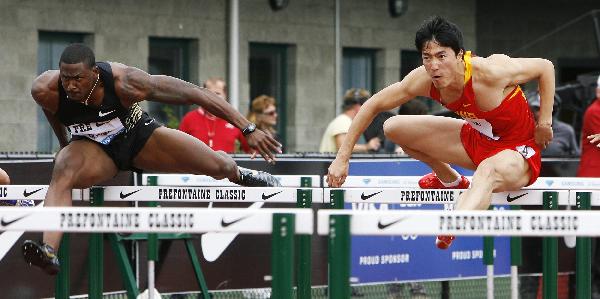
(431, 181)
(444, 241)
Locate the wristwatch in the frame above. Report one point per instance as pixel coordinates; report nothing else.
(251, 127)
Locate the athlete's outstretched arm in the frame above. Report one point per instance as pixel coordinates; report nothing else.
(416, 83)
(136, 85)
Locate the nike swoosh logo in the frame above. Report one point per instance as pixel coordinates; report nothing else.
(214, 244)
(123, 196)
(511, 199)
(27, 194)
(226, 224)
(365, 197)
(102, 114)
(265, 197)
(148, 122)
(466, 105)
(7, 223)
(384, 226)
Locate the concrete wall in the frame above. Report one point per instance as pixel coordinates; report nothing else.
(553, 29)
(119, 31)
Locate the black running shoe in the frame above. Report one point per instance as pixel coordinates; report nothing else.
(253, 178)
(42, 256)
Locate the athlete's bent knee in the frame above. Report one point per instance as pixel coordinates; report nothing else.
(391, 132)
(4, 178)
(388, 128)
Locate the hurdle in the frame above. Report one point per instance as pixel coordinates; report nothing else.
(304, 199)
(411, 195)
(282, 225)
(340, 224)
(98, 195)
(208, 194)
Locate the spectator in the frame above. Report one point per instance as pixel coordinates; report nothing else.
(375, 132)
(263, 112)
(564, 143)
(589, 166)
(215, 132)
(338, 128)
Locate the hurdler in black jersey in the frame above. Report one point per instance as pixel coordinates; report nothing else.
(114, 126)
(98, 104)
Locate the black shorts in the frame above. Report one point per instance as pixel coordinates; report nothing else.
(125, 147)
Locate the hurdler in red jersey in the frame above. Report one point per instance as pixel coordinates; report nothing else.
(497, 137)
(486, 133)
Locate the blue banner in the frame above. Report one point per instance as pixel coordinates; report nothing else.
(406, 258)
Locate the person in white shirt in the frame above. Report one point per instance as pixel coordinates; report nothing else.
(336, 130)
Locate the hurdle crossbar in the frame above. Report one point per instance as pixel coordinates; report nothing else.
(467, 223)
(206, 194)
(204, 180)
(169, 193)
(442, 196)
(36, 192)
(164, 220)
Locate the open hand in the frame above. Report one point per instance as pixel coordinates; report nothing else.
(594, 138)
(264, 144)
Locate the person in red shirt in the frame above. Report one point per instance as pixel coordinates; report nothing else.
(215, 132)
(497, 137)
(589, 165)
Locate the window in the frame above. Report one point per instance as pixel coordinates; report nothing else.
(169, 56)
(358, 69)
(268, 75)
(50, 46)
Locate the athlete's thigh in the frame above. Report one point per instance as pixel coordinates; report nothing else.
(435, 136)
(511, 170)
(169, 150)
(82, 164)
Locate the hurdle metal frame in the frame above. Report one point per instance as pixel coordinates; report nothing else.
(304, 199)
(550, 201)
(283, 226)
(583, 200)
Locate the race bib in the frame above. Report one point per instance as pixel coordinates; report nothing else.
(482, 126)
(526, 151)
(100, 131)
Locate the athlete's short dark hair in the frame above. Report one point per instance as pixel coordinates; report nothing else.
(76, 53)
(442, 31)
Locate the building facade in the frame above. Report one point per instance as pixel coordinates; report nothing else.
(287, 53)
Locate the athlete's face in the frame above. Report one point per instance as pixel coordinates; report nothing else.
(441, 63)
(77, 80)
